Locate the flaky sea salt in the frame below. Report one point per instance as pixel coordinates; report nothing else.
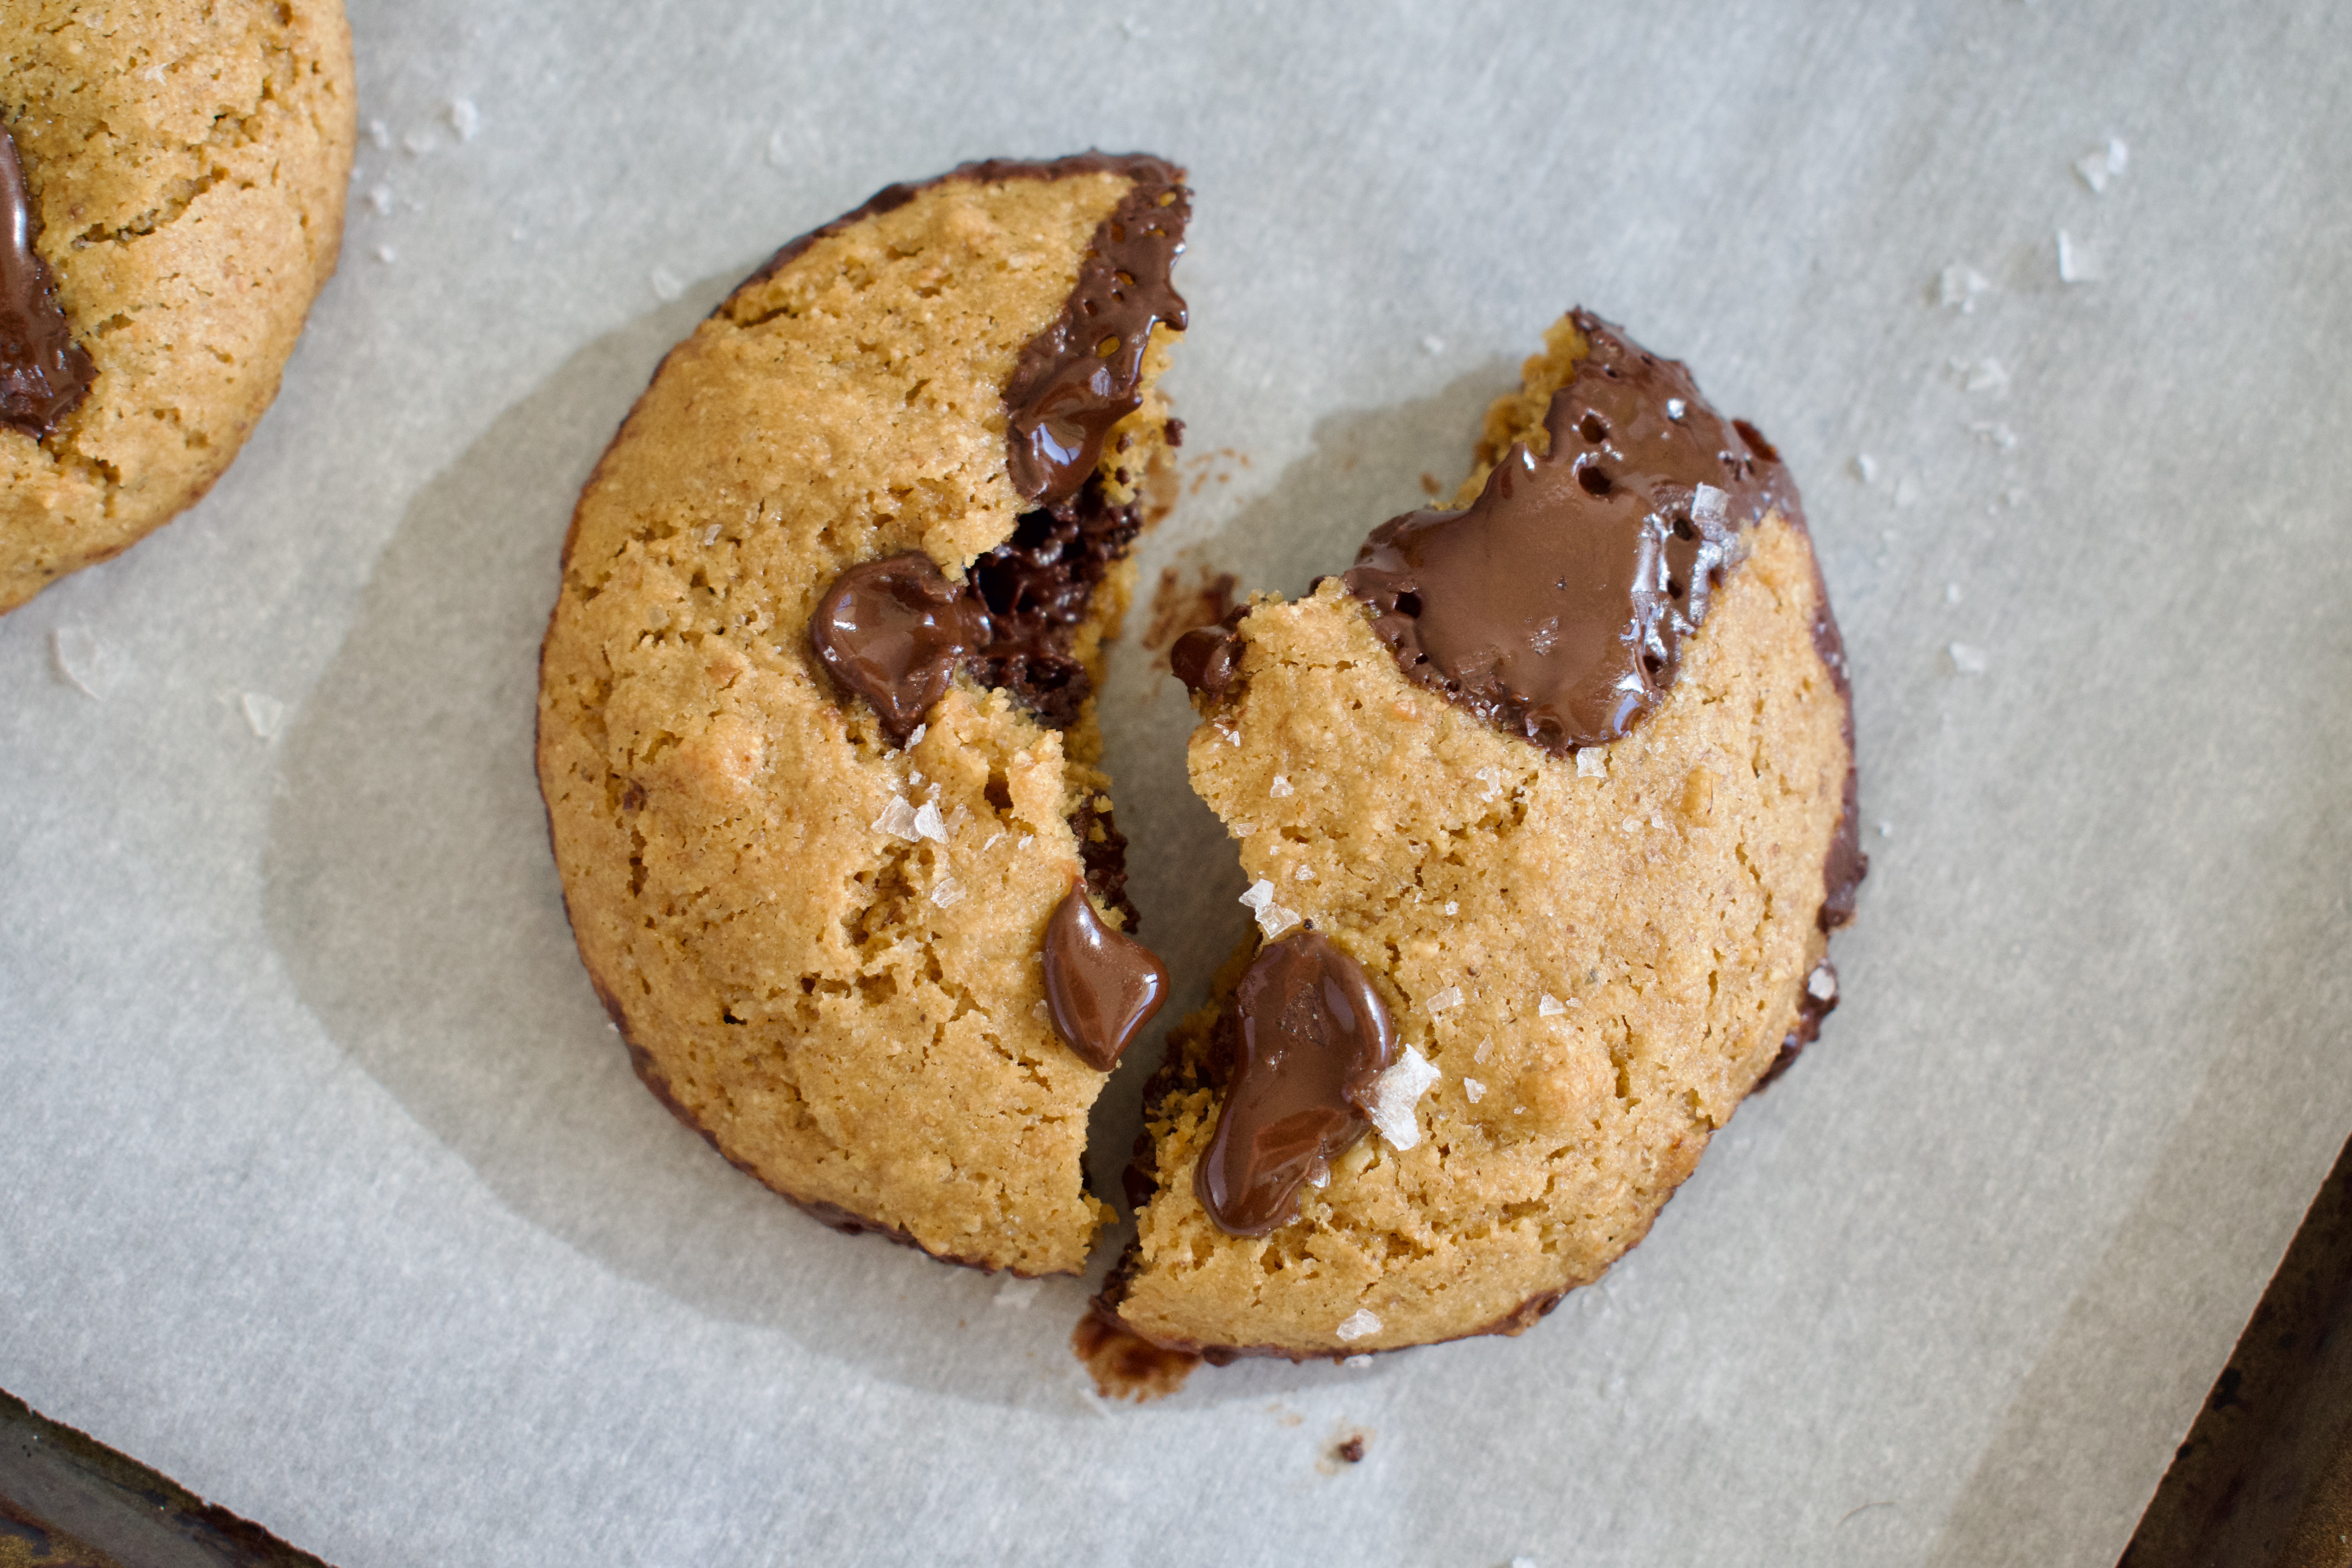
(710, 535)
(1590, 764)
(1957, 286)
(263, 712)
(1709, 505)
(84, 663)
(1822, 985)
(1441, 1000)
(1951, 592)
(1906, 491)
(2077, 262)
(1396, 1093)
(1014, 1295)
(1676, 407)
(465, 119)
(928, 824)
(667, 284)
(1866, 468)
(1358, 1323)
(1279, 788)
(1492, 777)
(916, 739)
(1485, 1047)
(1302, 872)
(1452, 907)
(1994, 433)
(1966, 660)
(994, 840)
(1985, 374)
(1474, 1089)
(380, 199)
(897, 820)
(1357, 1361)
(2097, 168)
(1550, 1007)
(947, 893)
(1273, 920)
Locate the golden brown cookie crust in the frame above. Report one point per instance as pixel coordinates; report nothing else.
(857, 1018)
(1666, 896)
(187, 161)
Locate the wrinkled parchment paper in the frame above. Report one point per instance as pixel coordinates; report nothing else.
(330, 1192)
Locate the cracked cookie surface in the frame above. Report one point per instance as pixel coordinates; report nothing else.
(186, 162)
(824, 949)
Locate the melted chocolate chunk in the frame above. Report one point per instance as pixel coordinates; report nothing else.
(1205, 657)
(44, 374)
(1037, 587)
(1101, 986)
(1084, 374)
(1313, 1037)
(892, 631)
(1556, 604)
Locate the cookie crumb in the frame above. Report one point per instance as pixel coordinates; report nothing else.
(1550, 1007)
(1396, 1094)
(1590, 764)
(1279, 788)
(1476, 1090)
(1358, 1323)
(897, 820)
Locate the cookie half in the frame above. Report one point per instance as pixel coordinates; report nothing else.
(1548, 806)
(816, 724)
(172, 179)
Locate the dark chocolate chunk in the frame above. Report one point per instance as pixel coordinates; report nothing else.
(1205, 657)
(44, 374)
(1037, 587)
(1084, 374)
(1554, 605)
(1101, 986)
(1314, 1039)
(892, 631)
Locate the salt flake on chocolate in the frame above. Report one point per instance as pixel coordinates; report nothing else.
(1710, 505)
(1358, 1323)
(1822, 985)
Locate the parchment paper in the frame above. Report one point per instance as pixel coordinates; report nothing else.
(330, 1192)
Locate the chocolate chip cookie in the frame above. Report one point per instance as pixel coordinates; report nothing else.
(817, 713)
(1548, 805)
(172, 179)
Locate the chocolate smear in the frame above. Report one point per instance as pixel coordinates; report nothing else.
(1556, 604)
(1101, 985)
(1123, 1364)
(1313, 1039)
(892, 631)
(44, 374)
(1084, 374)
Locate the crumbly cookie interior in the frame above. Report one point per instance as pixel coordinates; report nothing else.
(187, 161)
(823, 949)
